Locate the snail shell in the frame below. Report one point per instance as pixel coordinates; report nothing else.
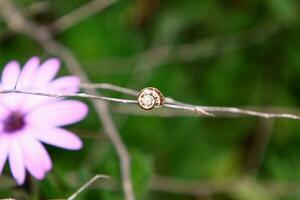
(150, 97)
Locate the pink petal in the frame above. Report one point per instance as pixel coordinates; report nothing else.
(13, 101)
(10, 75)
(25, 80)
(58, 137)
(39, 150)
(34, 101)
(32, 160)
(4, 147)
(4, 111)
(58, 113)
(16, 162)
(69, 84)
(44, 156)
(47, 71)
(28, 73)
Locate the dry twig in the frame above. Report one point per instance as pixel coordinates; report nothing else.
(216, 110)
(101, 98)
(170, 103)
(87, 184)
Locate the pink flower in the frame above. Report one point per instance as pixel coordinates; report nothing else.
(27, 121)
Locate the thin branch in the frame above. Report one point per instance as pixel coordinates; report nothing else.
(108, 86)
(228, 111)
(123, 90)
(217, 110)
(17, 22)
(80, 14)
(87, 184)
(102, 98)
(195, 109)
(66, 95)
(170, 103)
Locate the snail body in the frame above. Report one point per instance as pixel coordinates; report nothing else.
(149, 98)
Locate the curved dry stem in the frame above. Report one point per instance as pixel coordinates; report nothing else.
(86, 185)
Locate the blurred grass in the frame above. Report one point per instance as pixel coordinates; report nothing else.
(261, 74)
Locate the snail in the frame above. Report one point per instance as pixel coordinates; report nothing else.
(149, 98)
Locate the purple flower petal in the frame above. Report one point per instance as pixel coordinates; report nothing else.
(28, 73)
(58, 137)
(31, 156)
(34, 101)
(26, 78)
(69, 84)
(3, 112)
(16, 161)
(13, 101)
(4, 144)
(58, 113)
(43, 154)
(47, 71)
(10, 75)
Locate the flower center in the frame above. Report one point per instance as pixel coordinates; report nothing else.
(14, 122)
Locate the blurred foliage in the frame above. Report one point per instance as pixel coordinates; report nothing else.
(248, 66)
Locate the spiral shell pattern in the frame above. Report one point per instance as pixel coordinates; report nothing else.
(149, 98)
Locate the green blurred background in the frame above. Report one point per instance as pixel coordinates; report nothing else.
(210, 52)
